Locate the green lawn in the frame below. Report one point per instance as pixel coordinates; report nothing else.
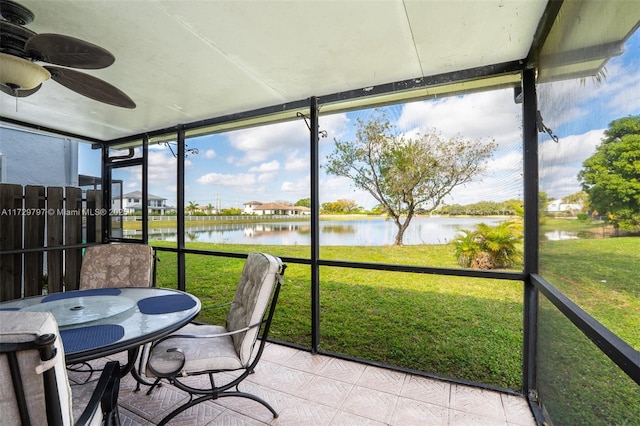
(577, 382)
(466, 328)
(600, 275)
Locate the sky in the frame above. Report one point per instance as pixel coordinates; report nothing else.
(271, 163)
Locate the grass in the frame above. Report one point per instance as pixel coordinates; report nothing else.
(600, 275)
(415, 321)
(578, 384)
(465, 328)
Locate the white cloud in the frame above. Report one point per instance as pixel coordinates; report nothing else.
(561, 162)
(336, 126)
(295, 162)
(210, 153)
(271, 166)
(259, 143)
(492, 115)
(235, 180)
(267, 177)
(299, 188)
(162, 167)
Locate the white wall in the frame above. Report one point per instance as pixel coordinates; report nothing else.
(33, 159)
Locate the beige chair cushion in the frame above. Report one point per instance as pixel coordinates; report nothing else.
(18, 327)
(201, 354)
(251, 300)
(116, 265)
(226, 352)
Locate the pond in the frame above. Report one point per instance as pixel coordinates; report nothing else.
(363, 232)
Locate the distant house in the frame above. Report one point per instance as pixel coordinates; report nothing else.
(132, 203)
(259, 208)
(557, 207)
(249, 207)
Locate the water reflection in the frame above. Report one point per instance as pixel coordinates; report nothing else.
(366, 232)
(560, 235)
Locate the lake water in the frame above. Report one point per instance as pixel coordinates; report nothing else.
(370, 232)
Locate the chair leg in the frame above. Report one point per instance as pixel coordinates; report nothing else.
(154, 385)
(203, 398)
(113, 418)
(250, 396)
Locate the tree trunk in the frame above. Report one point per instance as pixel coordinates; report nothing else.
(401, 228)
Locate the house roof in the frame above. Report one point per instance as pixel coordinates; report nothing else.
(138, 194)
(199, 64)
(274, 206)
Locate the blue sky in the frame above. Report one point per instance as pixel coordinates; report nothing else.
(271, 163)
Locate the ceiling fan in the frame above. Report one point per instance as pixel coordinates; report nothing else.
(21, 49)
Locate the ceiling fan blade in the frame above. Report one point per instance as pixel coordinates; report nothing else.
(91, 87)
(19, 93)
(68, 51)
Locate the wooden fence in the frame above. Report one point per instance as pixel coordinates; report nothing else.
(37, 226)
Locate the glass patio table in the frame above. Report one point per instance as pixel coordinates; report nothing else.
(95, 323)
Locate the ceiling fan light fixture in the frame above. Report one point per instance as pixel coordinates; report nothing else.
(21, 73)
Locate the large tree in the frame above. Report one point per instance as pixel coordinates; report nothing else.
(611, 176)
(403, 173)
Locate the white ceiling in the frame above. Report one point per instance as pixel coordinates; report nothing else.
(185, 61)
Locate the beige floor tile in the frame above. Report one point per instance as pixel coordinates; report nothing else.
(478, 401)
(162, 400)
(370, 403)
(328, 391)
(127, 418)
(279, 377)
(310, 389)
(426, 390)
(517, 410)
(308, 362)
(340, 369)
(231, 418)
(382, 379)
(463, 418)
(198, 415)
(410, 412)
(278, 353)
(304, 412)
(344, 418)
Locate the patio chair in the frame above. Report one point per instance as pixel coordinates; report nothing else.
(209, 349)
(34, 387)
(116, 265)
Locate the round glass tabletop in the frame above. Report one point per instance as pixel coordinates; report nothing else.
(80, 310)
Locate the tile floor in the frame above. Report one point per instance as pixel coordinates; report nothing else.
(310, 389)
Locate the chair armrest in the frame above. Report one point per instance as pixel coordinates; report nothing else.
(105, 395)
(206, 336)
(179, 350)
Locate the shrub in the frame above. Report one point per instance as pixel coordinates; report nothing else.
(489, 247)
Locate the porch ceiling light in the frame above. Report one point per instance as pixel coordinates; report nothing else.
(18, 73)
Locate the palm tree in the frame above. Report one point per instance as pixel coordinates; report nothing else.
(192, 207)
